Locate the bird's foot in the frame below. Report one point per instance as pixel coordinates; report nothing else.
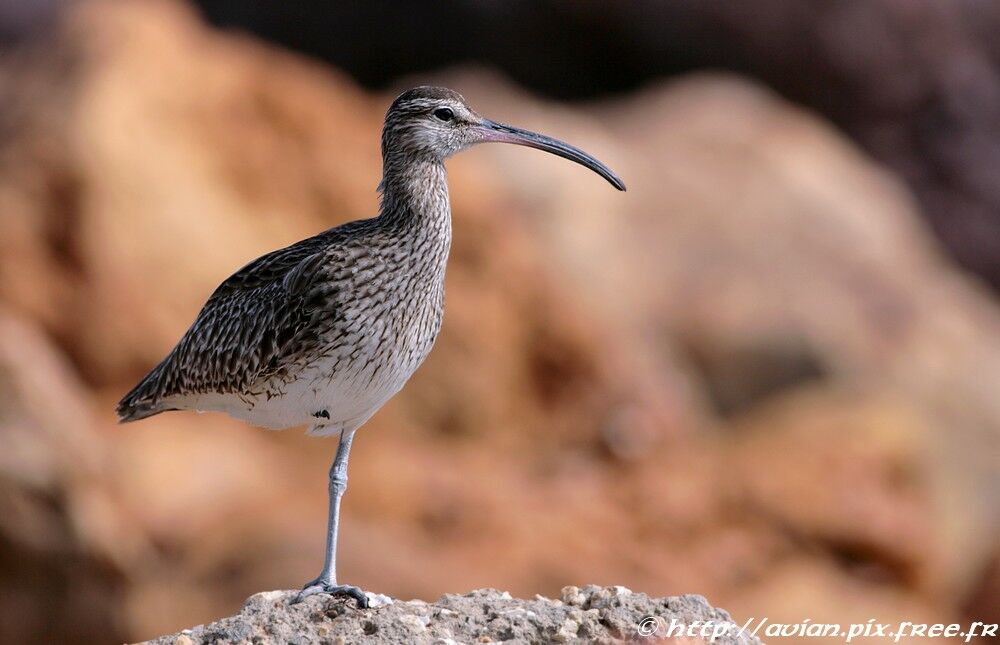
(319, 586)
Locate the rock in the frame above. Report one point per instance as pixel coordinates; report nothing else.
(654, 388)
(851, 480)
(66, 538)
(606, 614)
(811, 270)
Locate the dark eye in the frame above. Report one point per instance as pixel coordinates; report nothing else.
(445, 114)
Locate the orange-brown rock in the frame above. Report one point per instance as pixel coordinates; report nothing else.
(752, 376)
(65, 541)
(761, 248)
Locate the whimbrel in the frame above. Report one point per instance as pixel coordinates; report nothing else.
(325, 331)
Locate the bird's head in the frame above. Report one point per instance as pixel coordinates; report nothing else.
(435, 123)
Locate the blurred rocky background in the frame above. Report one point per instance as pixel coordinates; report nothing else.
(767, 374)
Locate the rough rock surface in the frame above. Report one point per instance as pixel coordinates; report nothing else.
(750, 374)
(590, 614)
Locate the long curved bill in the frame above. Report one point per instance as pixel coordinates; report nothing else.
(499, 132)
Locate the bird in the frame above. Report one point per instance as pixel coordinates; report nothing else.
(325, 331)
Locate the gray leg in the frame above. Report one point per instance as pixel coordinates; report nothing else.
(327, 580)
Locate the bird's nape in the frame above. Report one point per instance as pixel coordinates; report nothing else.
(491, 131)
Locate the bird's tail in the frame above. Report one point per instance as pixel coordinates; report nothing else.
(142, 401)
(129, 413)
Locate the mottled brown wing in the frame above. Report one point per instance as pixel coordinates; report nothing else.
(243, 331)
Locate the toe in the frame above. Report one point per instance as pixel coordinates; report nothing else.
(310, 589)
(316, 587)
(352, 592)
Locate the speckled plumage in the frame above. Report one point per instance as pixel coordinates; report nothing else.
(355, 308)
(325, 331)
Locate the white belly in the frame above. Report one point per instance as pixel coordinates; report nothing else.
(336, 392)
(327, 403)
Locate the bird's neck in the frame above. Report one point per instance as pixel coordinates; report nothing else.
(415, 194)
